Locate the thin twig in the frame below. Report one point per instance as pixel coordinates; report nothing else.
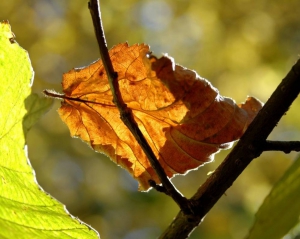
(250, 146)
(126, 113)
(284, 146)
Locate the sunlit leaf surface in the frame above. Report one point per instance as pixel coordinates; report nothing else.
(183, 117)
(26, 210)
(280, 210)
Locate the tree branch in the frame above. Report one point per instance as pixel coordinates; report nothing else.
(250, 146)
(284, 146)
(126, 114)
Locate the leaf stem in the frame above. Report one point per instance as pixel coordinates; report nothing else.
(53, 94)
(125, 112)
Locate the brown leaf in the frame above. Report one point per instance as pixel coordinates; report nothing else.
(183, 117)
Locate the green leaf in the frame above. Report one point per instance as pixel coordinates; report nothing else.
(280, 210)
(26, 211)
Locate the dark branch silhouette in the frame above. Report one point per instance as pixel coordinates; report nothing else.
(250, 146)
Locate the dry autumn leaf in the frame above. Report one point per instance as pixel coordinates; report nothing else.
(183, 117)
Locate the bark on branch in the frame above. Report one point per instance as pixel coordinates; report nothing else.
(250, 146)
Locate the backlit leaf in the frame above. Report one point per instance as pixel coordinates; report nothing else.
(280, 210)
(26, 210)
(183, 117)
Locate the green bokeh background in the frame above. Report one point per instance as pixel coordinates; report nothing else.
(243, 47)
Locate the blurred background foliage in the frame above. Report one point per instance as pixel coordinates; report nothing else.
(243, 47)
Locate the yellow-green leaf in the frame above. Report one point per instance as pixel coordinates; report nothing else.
(26, 210)
(280, 211)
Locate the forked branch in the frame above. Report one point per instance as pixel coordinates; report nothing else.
(250, 146)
